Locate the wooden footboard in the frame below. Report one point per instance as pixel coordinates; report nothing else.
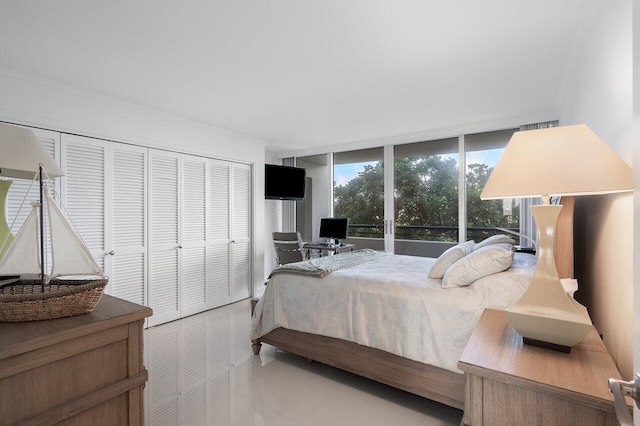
(425, 380)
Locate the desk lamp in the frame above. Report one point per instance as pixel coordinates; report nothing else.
(558, 161)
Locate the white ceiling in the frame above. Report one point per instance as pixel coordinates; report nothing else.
(303, 73)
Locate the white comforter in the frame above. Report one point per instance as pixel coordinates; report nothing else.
(390, 304)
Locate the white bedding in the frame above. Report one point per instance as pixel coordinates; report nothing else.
(390, 304)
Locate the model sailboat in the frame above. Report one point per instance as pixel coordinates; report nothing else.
(32, 288)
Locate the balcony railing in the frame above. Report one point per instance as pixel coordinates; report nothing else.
(424, 233)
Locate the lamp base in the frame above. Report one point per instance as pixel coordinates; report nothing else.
(546, 312)
(5, 232)
(565, 327)
(546, 345)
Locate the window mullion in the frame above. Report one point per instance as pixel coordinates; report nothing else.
(462, 191)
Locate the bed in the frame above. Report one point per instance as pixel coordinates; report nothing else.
(377, 318)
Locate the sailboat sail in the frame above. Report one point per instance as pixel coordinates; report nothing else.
(69, 255)
(73, 285)
(14, 261)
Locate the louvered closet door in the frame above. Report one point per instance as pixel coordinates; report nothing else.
(84, 161)
(193, 276)
(241, 232)
(20, 187)
(219, 233)
(164, 236)
(128, 222)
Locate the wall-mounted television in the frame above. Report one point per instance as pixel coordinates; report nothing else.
(284, 182)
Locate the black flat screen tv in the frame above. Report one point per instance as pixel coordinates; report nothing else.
(284, 182)
(334, 227)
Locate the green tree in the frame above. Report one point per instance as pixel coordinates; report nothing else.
(426, 195)
(488, 213)
(362, 199)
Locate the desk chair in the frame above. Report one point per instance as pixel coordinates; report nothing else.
(288, 247)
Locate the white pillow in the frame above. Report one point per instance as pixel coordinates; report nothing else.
(449, 257)
(494, 239)
(479, 264)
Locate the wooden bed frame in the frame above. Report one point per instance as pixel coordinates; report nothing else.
(428, 381)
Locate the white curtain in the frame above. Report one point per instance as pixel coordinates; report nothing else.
(527, 224)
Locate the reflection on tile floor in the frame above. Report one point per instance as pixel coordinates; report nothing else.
(202, 372)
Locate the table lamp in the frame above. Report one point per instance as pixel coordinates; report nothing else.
(21, 153)
(558, 161)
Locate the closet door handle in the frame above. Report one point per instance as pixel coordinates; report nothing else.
(111, 253)
(180, 246)
(233, 241)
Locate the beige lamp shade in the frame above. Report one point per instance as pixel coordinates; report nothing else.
(21, 153)
(567, 160)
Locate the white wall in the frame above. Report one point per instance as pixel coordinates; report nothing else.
(598, 92)
(321, 204)
(37, 102)
(272, 223)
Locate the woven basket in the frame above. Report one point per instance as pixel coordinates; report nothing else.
(25, 301)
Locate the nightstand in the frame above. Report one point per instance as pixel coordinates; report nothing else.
(508, 383)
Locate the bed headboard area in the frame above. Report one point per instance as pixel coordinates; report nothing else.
(564, 238)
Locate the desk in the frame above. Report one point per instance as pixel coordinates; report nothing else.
(328, 248)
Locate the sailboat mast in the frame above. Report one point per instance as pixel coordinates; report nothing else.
(42, 277)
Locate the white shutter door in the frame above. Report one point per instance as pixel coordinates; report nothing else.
(241, 232)
(241, 271)
(193, 280)
(219, 232)
(128, 221)
(84, 161)
(18, 189)
(241, 217)
(194, 233)
(163, 236)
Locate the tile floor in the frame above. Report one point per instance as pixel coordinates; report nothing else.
(202, 372)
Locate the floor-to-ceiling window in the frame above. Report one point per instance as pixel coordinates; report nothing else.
(425, 194)
(358, 194)
(431, 194)
(482, 151)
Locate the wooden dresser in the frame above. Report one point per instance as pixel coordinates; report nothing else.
(82, 370)
(508, 383)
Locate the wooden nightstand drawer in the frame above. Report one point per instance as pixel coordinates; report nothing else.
(508, 383)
